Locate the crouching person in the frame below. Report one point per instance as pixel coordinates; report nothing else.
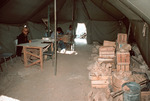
(59, 39)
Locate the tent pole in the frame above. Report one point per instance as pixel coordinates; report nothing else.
(49, 19)
(73, 10)
(55, 64)
(73, 13)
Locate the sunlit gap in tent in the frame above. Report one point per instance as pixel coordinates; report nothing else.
(81, 34)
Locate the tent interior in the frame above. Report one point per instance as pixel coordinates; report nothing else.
(103, 19)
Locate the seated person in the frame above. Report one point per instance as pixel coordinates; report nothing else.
(60, 41)
(22, 38)
(70, 32)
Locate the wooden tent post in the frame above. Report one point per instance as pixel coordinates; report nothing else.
(55, 64)
(48, 19)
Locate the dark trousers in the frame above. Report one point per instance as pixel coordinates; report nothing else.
(19, 50)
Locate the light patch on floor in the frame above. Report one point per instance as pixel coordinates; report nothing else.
(80, 41)
(6, 98)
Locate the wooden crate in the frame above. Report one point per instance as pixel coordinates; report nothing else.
(101, 81)
(109, 43)
(106, 52)
(118, 80)
(107, 55)
(123, 68)
(106, 48)
(122, 38)
(123, 58)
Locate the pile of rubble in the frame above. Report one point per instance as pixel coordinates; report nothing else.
(112, 68)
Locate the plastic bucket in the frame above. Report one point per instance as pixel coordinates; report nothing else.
(134, 94)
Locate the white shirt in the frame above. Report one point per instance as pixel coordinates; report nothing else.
(70, 32)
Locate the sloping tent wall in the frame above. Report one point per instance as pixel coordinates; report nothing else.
(142, 41)
(9, 33)
(100, 25)
(137, 12)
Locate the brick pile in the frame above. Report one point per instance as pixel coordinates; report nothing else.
(112, 69)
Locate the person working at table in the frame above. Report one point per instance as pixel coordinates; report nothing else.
(22, 38)
(70, 33)
(60, 41)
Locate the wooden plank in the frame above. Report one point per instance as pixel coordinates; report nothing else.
(99, 86)
(106, 48)
(104, 59)
(33, 63)
(33, 54)
(93, 77)
(41, 58)
(109, 43)
(99, 82)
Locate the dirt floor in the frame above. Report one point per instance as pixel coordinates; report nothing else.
(31, 84)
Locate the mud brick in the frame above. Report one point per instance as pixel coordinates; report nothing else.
(123, 68)
(101, 81)
(95, 78)
(123, 58)
(106, 52)
(122, 38)
(99, 86)
(106, 48)
(109, 43)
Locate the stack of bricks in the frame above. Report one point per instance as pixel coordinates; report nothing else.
(100, 75)
(107, 52)
(123, 61)
(101, 81)
(121, 40)
(122, 56)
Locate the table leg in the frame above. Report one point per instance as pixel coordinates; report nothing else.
(41, 58)
(25, 56)
(52, 47)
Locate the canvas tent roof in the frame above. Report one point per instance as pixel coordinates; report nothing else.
(20, 11)
(103, 18)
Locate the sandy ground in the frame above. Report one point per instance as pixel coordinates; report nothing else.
(31, 84)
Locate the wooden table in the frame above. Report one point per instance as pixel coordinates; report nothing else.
(34, 45)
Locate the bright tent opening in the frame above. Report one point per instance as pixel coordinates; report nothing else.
(81, 33)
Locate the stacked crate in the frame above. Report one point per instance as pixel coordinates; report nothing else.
(123, 61)
(122, 56)
(107, 52)
(121, 40)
